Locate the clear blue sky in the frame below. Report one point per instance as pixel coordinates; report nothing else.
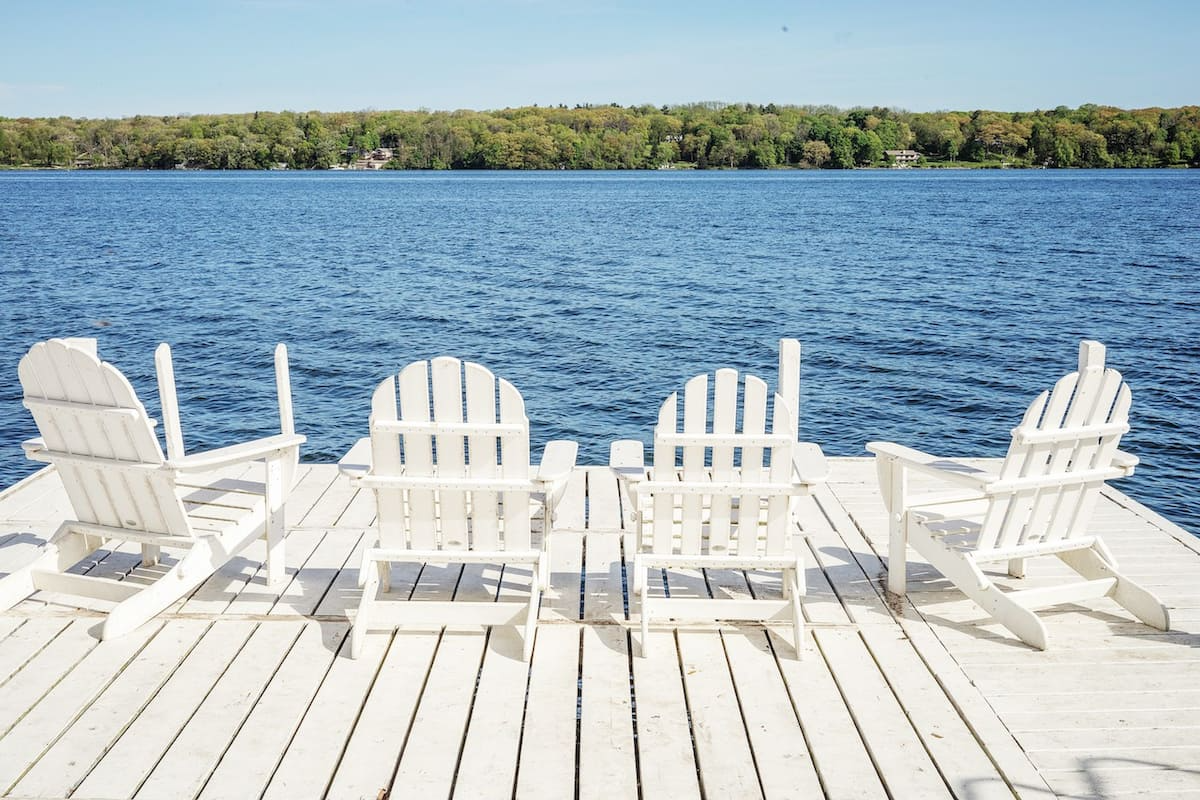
(126, 57)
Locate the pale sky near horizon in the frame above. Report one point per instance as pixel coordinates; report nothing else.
(159, 57)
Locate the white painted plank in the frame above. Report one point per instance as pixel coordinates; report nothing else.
(606, 748)
(1085, 741)
(849, 563)
(132, 757)
(7, 626)
(887, 731)
(666, 758)
(256, 597)
(379, 736)
(28, 491)
(1175, 757)
(975, 710)
(343, 593)
(247, 766)
(231, 578)
(194, 754)
(722, 748)
(72, 756)
(603, 599)
(313, 580)
(781, 755)
(841, 758)
(1091, 719)
(964, 765)
(312, 757)
(40, 673)
(312, 481)
(25, 642)
(22, 546)
(546, 768)
(1082, 679)
(604, 504)
(570, 512)
(39, 728)
(360, 511)
(1126, 780)
(331, 505)
(430, 759)
(488, 766)
(561, 601)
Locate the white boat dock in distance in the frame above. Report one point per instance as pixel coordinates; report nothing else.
(243, 691)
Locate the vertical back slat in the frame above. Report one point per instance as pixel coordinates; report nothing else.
(1092, 396)
(168, 400)
(142, 500)
(725, 394)
(754, 421)
(133, 439)
(386, 462)
(695, 420)
(1104, 457)
(120, 499)
(446, 376)
(789, 379)
(1057, 458)
(481, 461)
(1005, 516)
(663, 520)
(514, 465)
(1089, 453)
(418, 455)
(779, 506)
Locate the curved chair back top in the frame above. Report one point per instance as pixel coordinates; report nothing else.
(1060, 456)
(720, 450)
(98, 435)
(450, 452)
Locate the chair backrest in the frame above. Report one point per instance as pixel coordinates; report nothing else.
(97, 434)
(744, 472)
(1060, 456)
(450, 460)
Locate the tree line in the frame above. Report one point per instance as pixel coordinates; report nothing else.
(701, 135)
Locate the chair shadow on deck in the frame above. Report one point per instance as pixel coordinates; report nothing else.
(1092, 766)
(12, 543)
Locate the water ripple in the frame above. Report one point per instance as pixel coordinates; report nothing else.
(931, 307)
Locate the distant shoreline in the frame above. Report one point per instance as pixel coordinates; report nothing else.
(697, 136)
(960, 167)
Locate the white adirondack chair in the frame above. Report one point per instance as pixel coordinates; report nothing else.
(1040, 503)
(96, 433)
(720, 495)
(454, 491)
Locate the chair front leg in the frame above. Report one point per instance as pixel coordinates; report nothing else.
(275, 529)
(893, 480)
(362, 620)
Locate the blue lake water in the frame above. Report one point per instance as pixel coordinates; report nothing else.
(932, 306)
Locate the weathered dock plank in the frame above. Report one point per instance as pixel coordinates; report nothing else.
(246, 690)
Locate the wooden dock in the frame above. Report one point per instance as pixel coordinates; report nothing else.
(240, 691)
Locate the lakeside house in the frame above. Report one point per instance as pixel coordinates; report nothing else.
(902, 158)
(376, 159)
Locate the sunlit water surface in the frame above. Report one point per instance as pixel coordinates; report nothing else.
(932, 306)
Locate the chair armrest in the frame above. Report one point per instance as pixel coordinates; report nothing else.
(247, 451)
(558, 461)
(1125, 462)
(627, 460)
(809, 465)
(357, 461)
(944, 468)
